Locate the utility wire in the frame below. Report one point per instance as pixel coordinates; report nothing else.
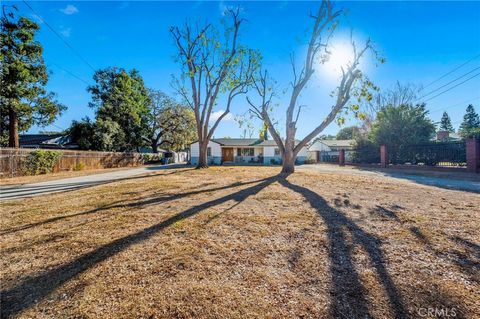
(450, 72)
(448, 107)
(55, 125)
(71, 73)
(450, 88)
(441, 87)
(60, 37)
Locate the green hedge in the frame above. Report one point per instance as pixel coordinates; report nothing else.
(41, 162)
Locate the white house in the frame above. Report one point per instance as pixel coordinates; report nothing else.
(242, 151)
(323, 150)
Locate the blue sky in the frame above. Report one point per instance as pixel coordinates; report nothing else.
(420, 40)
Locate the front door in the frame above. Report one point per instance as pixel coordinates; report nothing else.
(227, 154)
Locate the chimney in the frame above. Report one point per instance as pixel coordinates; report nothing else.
(443, 135)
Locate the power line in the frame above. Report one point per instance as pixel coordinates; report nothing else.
(452, 87)
(441, 87)
(60, 37)
(55, 125)
(448, 107)
(71, 73)
(450, 72)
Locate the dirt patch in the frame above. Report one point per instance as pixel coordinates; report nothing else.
(242, 242)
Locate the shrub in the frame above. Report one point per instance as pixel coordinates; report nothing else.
(273, 161)
(146, 157)
(366, 152)
(41, 162)
(79, 167)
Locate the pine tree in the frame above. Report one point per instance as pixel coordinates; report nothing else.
(471, 122)
(446, 123)
(23, 75)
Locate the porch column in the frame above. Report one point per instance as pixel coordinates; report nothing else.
(341, 157)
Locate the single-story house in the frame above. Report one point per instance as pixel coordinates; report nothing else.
(242, 151)
(326, 150)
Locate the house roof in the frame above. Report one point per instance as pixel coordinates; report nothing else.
(338, 143)
(55, 140)
(454, 136)
(36, 139)
(237, 141)
(245, 142)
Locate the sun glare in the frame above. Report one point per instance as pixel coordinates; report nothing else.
(341, 54)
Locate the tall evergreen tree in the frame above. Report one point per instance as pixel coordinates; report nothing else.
(471, 122)
(121, 97)
(446, 123)
(23, 75)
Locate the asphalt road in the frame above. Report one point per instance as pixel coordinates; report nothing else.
(60, 185)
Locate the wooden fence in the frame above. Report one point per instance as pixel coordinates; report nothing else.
(12, 160)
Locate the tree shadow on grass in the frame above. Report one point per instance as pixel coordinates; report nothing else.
(347, 293)
(33, 289)
(466, 263)
(139, 202)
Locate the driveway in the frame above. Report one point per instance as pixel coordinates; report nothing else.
(60, 185)
(450, 181)
(49, 187)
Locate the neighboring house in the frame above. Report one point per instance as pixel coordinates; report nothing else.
(447, 136)
(148, 149)
(50, 141)
(326, 150)
(178, 157)
(242, 151)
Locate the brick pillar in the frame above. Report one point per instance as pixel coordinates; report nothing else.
(473, 155)
(341, 158)
(383, 156)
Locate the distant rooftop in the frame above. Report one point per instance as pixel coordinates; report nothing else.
(46, 140)
(27, 140)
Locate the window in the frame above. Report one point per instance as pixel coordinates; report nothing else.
(209, 151)
(276, 152)
(245, 151)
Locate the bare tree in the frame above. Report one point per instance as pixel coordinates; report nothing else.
(396, 96)
(324, 24)
(212, 68)
(399, 94)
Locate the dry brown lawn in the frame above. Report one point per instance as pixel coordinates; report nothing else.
(242, 243)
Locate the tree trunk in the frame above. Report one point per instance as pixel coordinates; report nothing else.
(154, 147)
(289, 154)
(13, 129)
(202, 157)
(288, 161)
